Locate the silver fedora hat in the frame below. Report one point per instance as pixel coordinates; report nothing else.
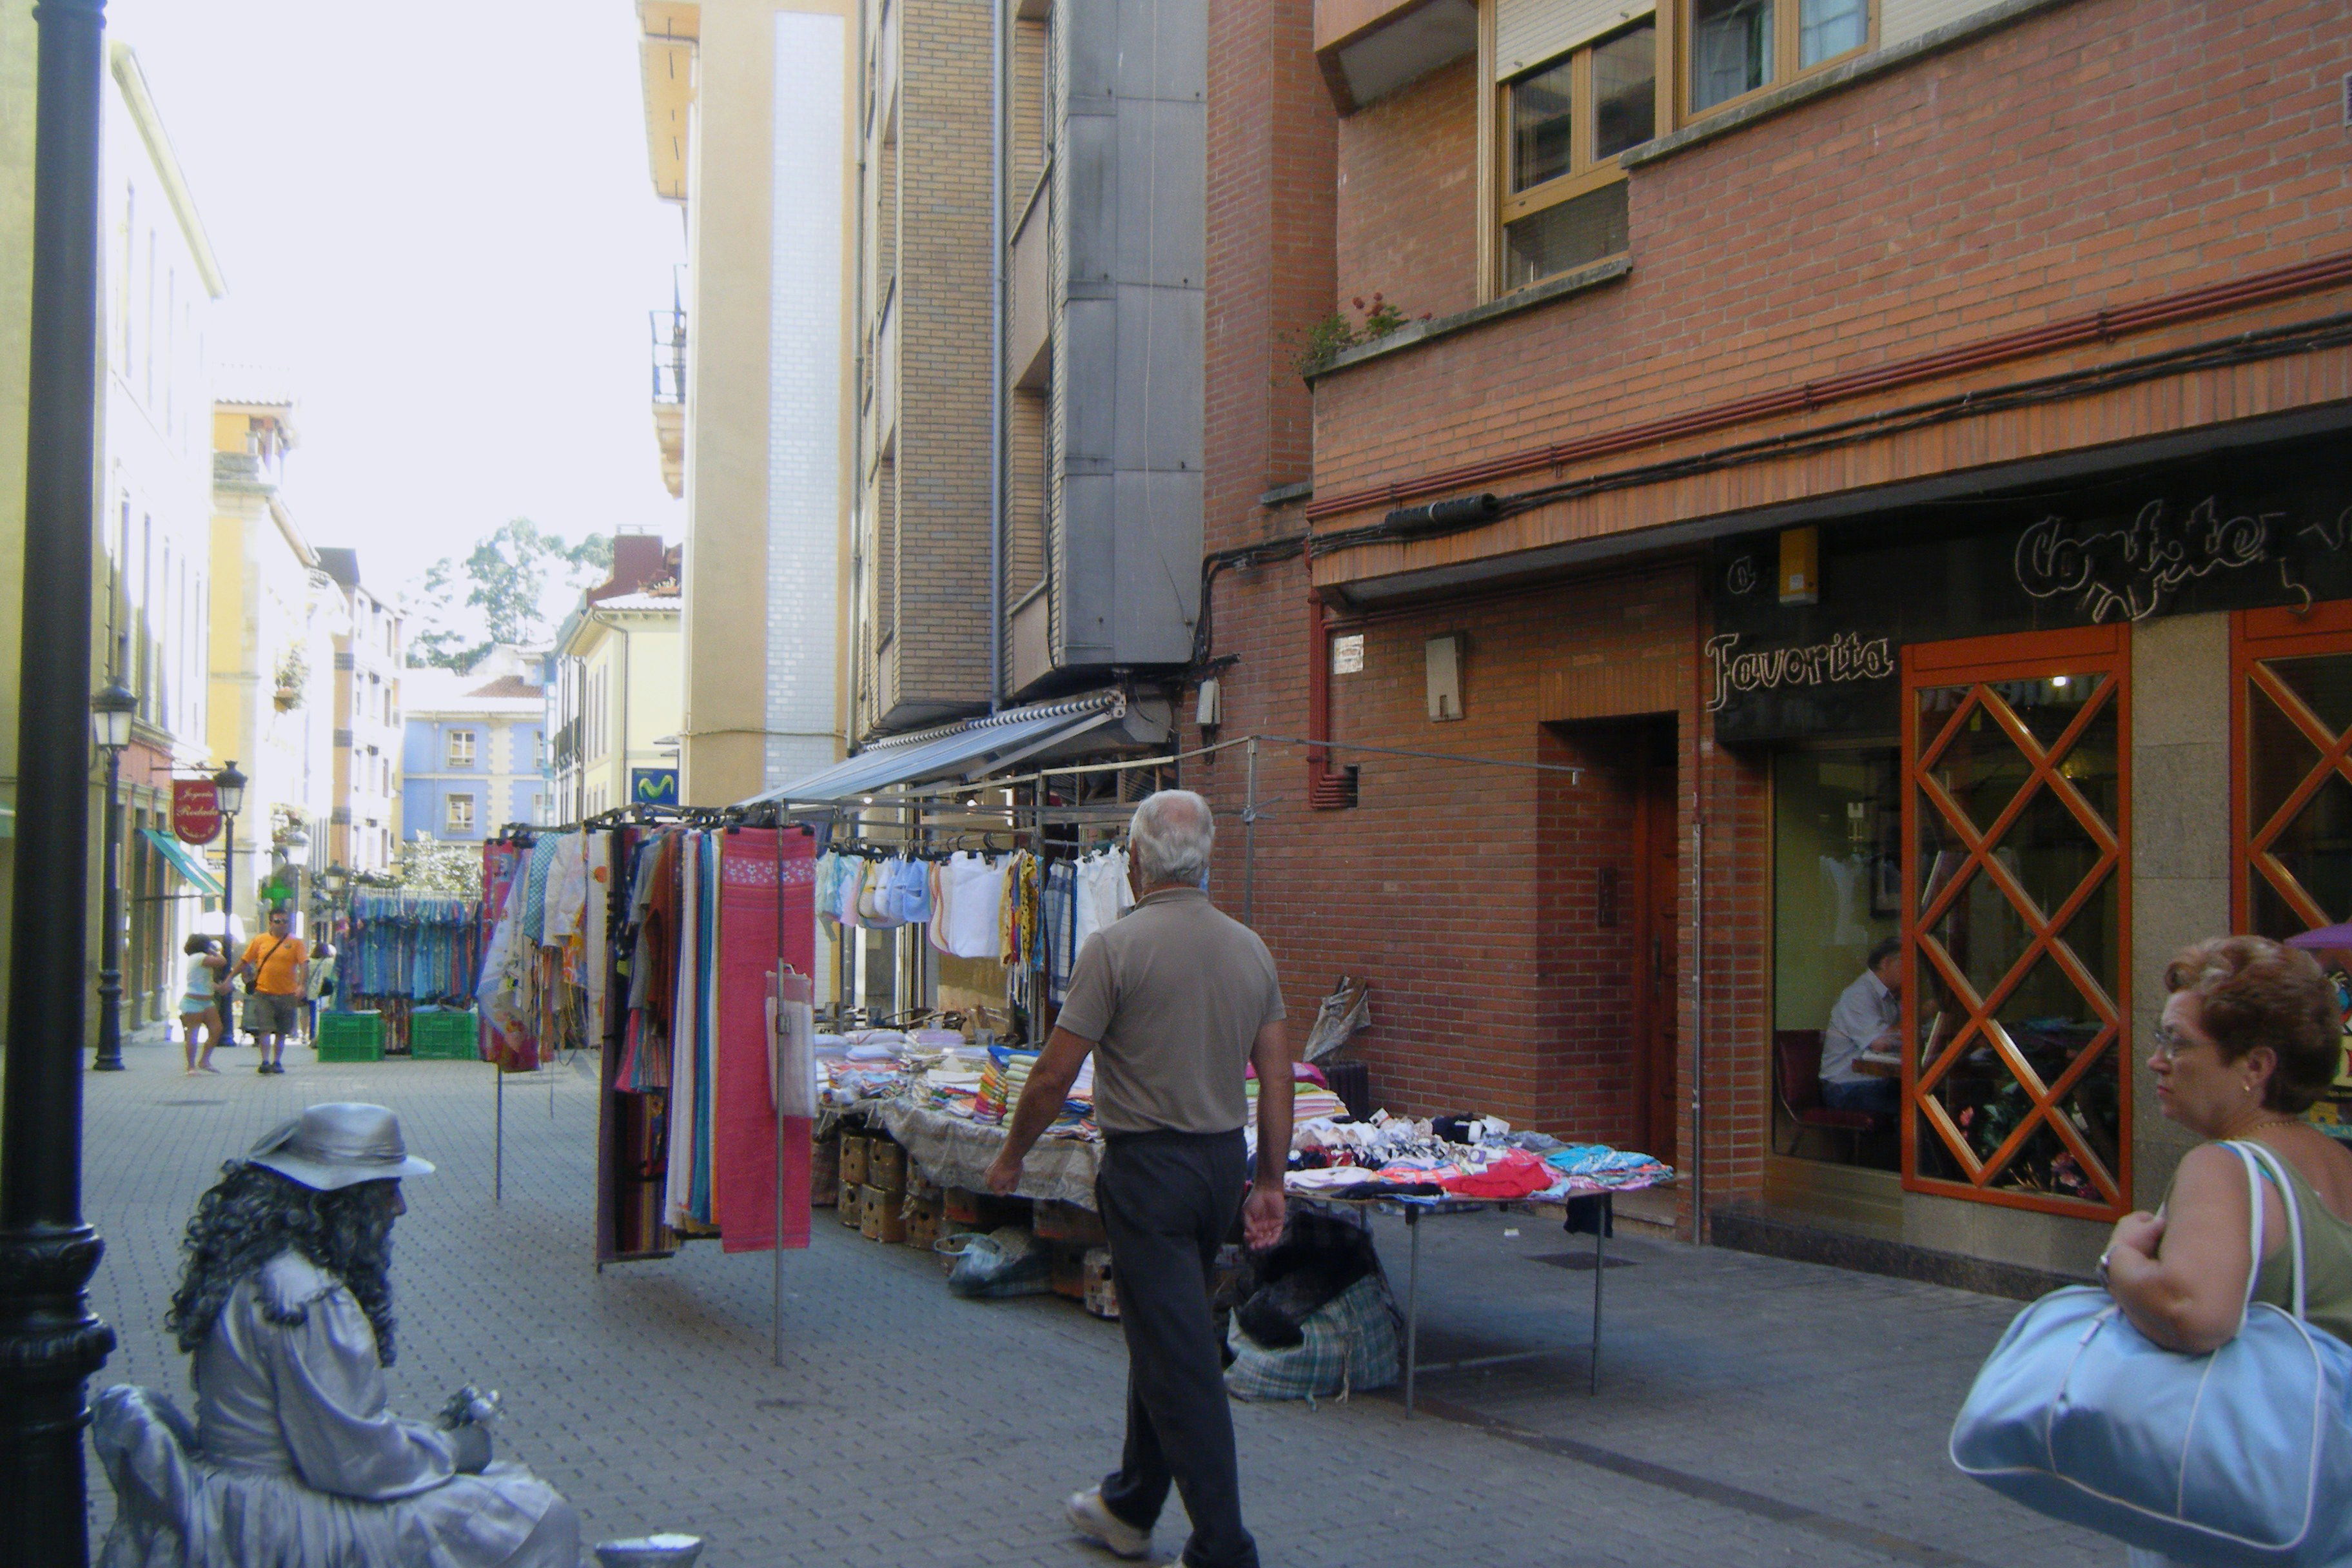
(339, 1145)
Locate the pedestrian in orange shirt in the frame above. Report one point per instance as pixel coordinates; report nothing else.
(273, 968)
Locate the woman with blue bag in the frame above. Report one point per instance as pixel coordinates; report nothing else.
(2199, 1408)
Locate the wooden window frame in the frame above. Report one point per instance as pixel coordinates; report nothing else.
(1787, 36)
(2255, 638)
(449, 749)
(2022, 656)
(449, 823)
(1585, 174)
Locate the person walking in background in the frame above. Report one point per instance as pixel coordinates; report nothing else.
(1175, 1000)
(273, 970)
(319, 985)
(200, 1003)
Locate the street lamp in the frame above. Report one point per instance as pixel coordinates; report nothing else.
(228, 793)
(50, 1341)
(111, 710)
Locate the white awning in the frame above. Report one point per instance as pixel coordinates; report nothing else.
(966, 751)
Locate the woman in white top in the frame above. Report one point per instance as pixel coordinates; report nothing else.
(200, 1000)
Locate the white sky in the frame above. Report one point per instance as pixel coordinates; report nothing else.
(440, 236)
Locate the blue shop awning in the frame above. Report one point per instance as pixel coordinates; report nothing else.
(967, 750)
(186, 863)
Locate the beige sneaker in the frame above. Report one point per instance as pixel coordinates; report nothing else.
(1091, 1519)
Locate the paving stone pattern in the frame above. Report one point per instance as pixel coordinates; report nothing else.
(1751, 1412)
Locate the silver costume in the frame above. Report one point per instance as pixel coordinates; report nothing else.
(295, 1462)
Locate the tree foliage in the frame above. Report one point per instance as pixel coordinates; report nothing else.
(429, 866)
(513, 588)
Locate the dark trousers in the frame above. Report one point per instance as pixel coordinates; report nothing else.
(1168, 1200)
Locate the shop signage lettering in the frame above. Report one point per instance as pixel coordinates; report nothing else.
(2125, 573)
(1847, 656)
(195, 810)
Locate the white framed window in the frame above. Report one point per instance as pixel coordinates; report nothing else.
(459, 813)
(461, 749)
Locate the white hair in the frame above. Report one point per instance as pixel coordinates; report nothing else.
(1171, 838)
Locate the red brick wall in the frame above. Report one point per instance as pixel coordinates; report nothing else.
(2095, 154)
(1408, 212)
(1270, 201)
(1461, 891)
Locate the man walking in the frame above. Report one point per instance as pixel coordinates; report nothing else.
(273, 968)
(1175, 1000)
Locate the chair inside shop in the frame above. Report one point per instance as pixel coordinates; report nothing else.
(1797, 1077)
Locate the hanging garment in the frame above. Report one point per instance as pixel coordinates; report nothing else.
(915, 891)
(1103, 895)
(596, 936)
(936, 933)
(973, 891)
(677, 1193)
(534, 904)
(1008, 913)
(1058, 913)
(757, 874)
(567, 887)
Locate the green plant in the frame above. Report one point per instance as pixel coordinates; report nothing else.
(1325, 341)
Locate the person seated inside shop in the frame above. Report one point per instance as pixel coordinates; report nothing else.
(1868, 1017)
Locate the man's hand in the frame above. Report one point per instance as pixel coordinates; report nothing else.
(1004, 1175)
(1263, 1213)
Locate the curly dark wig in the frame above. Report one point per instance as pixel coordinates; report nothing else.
(253, 1213)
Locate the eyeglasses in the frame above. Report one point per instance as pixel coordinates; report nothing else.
(2170, 1043)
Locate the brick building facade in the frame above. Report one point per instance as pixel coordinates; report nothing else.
(2010, 340)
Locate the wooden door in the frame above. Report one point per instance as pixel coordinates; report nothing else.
(1657, 1113)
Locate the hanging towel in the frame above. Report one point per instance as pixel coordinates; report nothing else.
(749, 941)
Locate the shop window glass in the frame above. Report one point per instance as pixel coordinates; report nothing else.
(2018, 954)
(1836, 893)
(2298, 801)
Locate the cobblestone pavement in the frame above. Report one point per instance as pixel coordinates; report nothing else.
(1751, 1412)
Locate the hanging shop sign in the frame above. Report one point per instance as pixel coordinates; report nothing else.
(653, 786)
(195, 810)
(2250, 530)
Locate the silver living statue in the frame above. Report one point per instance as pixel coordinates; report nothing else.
(294, 1461)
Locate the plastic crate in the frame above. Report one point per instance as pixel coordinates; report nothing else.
(443, 1033)
(351, 1036)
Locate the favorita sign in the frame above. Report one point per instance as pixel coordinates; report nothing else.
(195, 811)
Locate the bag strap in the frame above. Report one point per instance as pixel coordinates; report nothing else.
(2258, 1158)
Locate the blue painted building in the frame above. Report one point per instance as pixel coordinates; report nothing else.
(473, 757)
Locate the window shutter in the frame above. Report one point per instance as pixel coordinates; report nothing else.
(1529, 32)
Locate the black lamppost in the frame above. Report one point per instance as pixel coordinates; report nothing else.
(49, 1341)
(334, 881)
(228, 793)
(110, 712)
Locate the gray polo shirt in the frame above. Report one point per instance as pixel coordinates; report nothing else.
(1173, 995)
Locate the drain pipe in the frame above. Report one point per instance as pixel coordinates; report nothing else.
(1699, 1023)
(996, 355)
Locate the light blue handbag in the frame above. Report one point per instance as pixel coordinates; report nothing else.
(2243, 1455)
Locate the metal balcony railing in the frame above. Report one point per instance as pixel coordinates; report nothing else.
(670, 355)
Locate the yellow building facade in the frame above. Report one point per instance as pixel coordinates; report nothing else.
(273, 615)
(747, 106)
